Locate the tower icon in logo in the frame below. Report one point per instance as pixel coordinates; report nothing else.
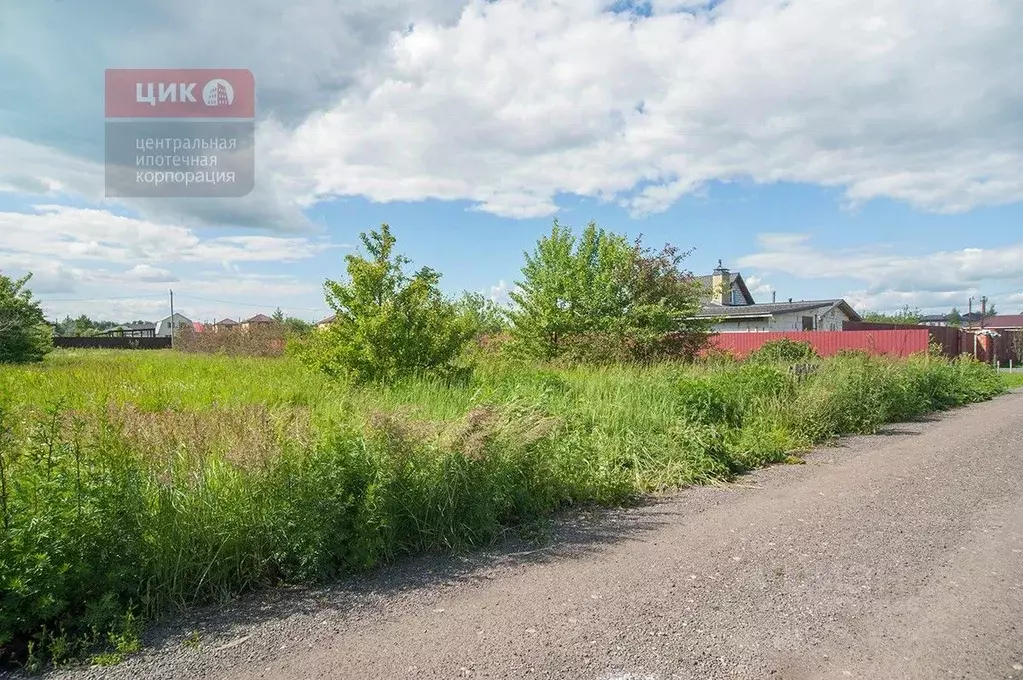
(218, 92)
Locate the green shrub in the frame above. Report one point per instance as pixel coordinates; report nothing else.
(24, 335)
(784, 350)
(388, 325)
(599, 299)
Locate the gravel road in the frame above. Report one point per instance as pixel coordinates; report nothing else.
(892, 556)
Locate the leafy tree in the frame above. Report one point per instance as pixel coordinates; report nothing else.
(297, 326)
(599, 293)
(955, 317)
(389, 324)
(664, 298)
(485, 316)
(906, 316)
(24, 335)
(82, 326)
(570, 286)
(278, 315)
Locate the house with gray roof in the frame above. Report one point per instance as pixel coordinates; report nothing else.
(730, 306)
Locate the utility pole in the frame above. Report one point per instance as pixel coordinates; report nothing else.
(172, 318)
(969, 315)
(983, 310)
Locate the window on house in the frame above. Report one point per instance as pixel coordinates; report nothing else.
(736, 298)
(807, 323)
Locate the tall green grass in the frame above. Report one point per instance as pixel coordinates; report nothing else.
(132, 485)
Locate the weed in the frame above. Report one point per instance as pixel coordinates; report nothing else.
(132, 485)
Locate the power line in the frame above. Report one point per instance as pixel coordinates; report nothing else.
(179, 295)
(244, 304)
(102, 299)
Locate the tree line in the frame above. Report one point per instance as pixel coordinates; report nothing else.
(594, 297)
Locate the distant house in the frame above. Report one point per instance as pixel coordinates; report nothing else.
(225, 325)
(178, 321)
(259, 320)
(945, 320)
(198, 327)
(1001, 322)
(730, 306)
(324, 323)
(934, 320)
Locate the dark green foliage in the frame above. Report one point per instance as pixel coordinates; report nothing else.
(82, 326)
(597, 298)
(388, 324)
(24, 335)
(784, 350)
(905, 316)
(483, 315)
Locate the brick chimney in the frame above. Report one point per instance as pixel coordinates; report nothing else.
(721, 286)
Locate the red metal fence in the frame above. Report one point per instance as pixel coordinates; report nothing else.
(899, 343)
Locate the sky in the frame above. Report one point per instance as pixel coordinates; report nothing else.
(824, 148)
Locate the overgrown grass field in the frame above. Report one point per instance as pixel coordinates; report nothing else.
(134, 484)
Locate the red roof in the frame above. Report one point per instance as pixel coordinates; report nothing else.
(1003, 321)
(199, 328)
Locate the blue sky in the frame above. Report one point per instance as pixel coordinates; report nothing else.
(871, 151)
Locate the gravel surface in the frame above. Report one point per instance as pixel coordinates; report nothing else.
(893, 556)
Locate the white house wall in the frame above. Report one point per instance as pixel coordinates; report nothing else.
(793, 321)
(163, 327)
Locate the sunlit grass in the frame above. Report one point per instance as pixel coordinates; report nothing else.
(136, 483)
(1012, 380)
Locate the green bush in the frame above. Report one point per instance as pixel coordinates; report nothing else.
(388, 325)
(599, 299)
(784, 350)
(24, 335)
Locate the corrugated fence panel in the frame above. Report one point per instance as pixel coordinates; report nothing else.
(900, 343)
(112, 343)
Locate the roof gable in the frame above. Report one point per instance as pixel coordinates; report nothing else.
(735, 281)
(770, 309)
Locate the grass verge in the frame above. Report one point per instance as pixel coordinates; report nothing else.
(132, 485)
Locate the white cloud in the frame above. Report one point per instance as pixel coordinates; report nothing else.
(274, 205)
(890, 281)
(510, 103)
(69, 233)
(85, 260)
(524, 99)
(757, 286)
(149, 274)
(501, 293)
